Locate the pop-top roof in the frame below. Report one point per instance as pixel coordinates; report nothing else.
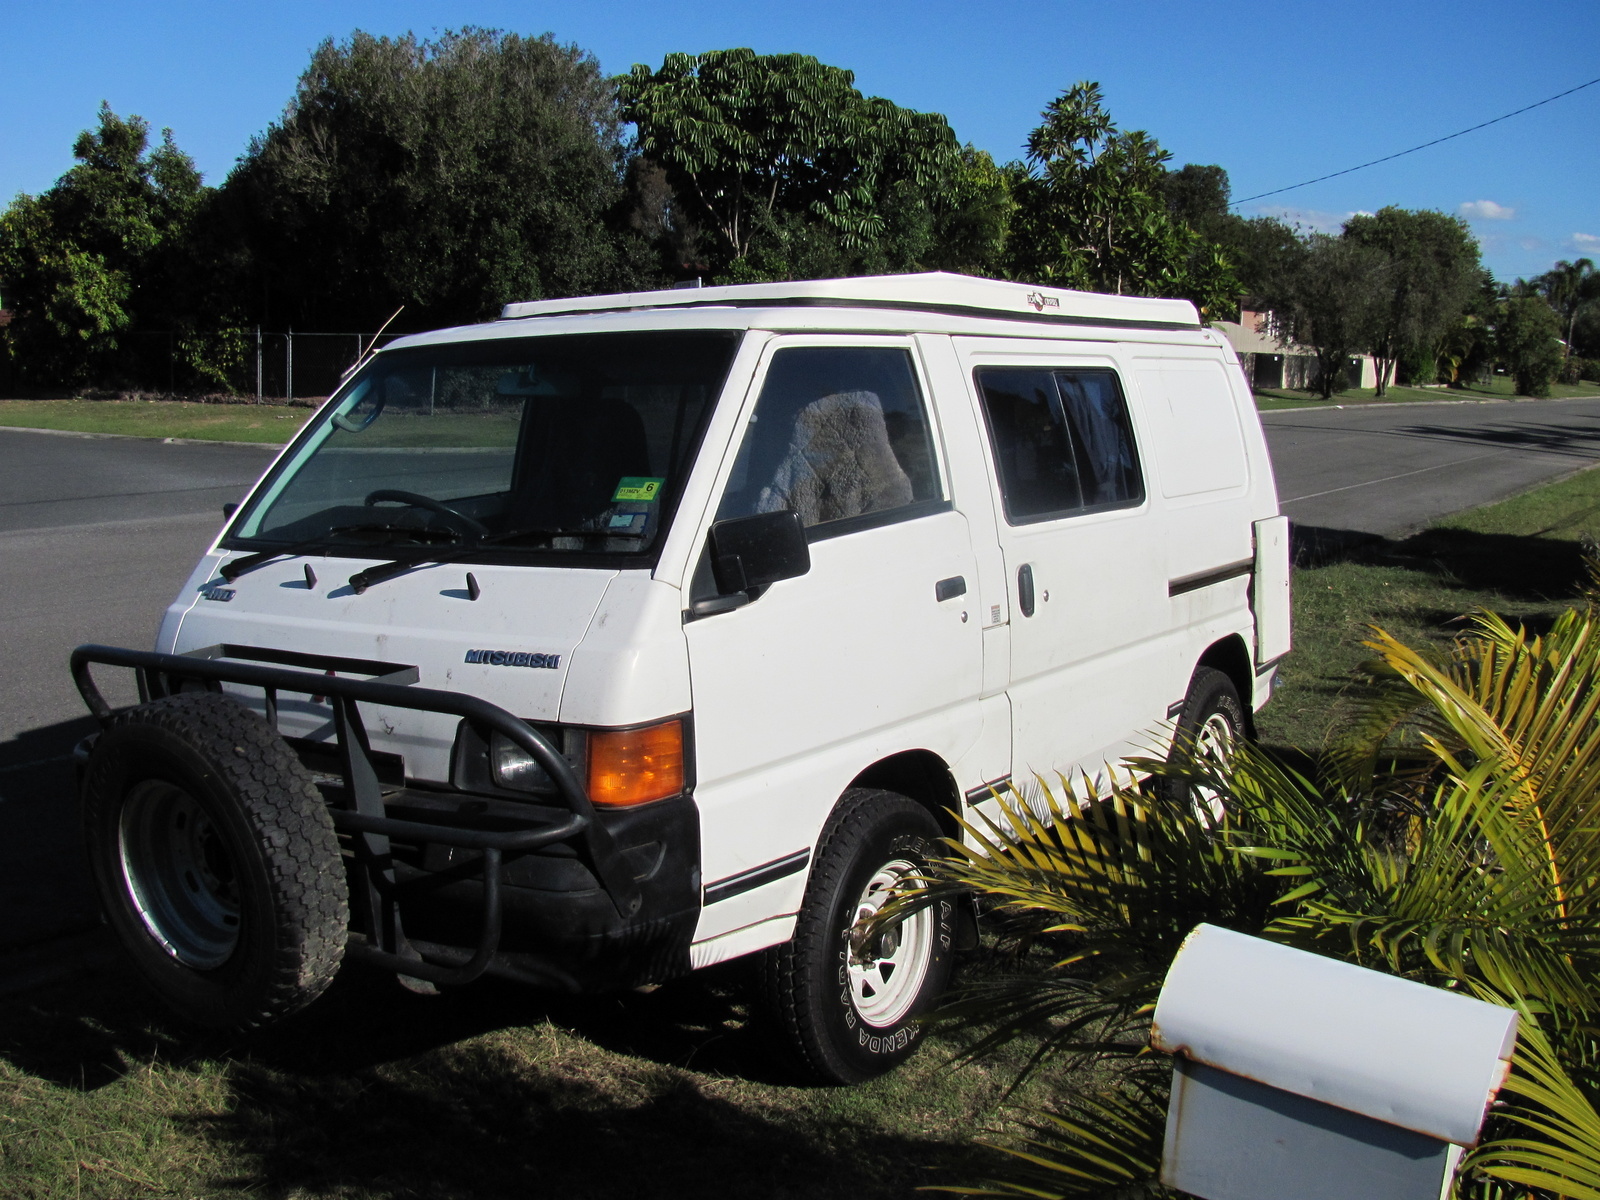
(933, 292)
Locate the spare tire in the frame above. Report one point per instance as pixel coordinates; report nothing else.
(216, 860)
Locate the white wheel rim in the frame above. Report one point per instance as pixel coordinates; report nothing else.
(887, 970)
(1213, 746)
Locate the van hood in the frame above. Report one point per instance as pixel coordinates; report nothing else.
(511, 645)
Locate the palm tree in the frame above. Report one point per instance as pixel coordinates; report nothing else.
(1568, 286)
(1455, 842)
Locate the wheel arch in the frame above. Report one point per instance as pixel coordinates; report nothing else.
(1232, 657)
(920, 775)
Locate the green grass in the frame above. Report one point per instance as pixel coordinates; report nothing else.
(492, 1091)
(444, 430)
(1498, 388)
(158, 418)
(269, 423)
(1521, 558)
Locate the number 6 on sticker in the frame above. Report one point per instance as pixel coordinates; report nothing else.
(637, 487)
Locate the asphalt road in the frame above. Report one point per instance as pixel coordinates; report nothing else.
(97, 534)
(1389, 468)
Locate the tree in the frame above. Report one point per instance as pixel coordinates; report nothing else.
(971, 228)
(781, 151)
(1329, 301)
(1569, 287)
(1430, 270)
(1197, 195)
(1467, 350)
(1092, 212)
(451, 176)
(92, 257)
(1527, 337)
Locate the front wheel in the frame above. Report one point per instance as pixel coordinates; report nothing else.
(215, 859)
(847, 1002)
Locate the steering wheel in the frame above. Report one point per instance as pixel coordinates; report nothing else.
(417, 500)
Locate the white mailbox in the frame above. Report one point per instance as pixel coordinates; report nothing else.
(1302, 1076)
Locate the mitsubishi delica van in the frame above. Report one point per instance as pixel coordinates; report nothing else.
(626, 635)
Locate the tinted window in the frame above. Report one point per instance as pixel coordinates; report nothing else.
(838, 433)
(1062, 441)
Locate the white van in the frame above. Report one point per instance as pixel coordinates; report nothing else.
(629, 634)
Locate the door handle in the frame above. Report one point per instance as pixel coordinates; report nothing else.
(1025, 589)
(949, 589)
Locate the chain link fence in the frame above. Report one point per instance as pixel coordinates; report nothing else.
(288, 365)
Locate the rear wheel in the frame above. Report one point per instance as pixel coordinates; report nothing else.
(215, 859)
(1211, 722)
(849, 1002)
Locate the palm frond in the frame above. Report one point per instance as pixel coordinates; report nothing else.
(1530, 707)
(1109, 883)
(1554, 1139)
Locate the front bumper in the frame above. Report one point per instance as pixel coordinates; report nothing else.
(446, 885)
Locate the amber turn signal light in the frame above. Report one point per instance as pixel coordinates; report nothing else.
(635, 766)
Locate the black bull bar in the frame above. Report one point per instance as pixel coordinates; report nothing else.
(372, 884)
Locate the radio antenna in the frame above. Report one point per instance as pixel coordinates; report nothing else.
(372, 347)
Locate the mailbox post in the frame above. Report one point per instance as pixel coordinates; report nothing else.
(1300, 1077)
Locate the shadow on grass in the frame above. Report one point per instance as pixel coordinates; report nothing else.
(485, 1092)
(1534, 570)
(482, 1123)
(87, 1034)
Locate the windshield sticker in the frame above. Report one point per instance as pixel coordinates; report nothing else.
(637, 487)
(628, 520)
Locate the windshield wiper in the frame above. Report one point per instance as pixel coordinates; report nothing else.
(323, 541)
(362, 580)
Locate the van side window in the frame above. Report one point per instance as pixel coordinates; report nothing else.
(1062, 441)
(839, 434)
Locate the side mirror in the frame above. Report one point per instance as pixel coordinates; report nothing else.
(229, 509)
(751, 552)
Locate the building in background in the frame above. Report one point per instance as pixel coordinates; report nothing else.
(1270, 362)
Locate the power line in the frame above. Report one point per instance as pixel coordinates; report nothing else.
(1424, 146)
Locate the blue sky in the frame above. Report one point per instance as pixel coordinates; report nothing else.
(1275, 93)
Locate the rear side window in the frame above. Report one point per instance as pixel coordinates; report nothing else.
(840, 435)
(1062, 441)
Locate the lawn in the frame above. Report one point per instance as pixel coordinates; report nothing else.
(158, 418)
(495, 1091)
(489, 1092)
(1498, 388)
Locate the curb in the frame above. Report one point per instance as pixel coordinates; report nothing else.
(1423, 403)
(136, 437)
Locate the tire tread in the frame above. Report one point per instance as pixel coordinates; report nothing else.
(286, 815)
(784, 985)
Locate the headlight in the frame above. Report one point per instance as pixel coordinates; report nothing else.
(514, 768)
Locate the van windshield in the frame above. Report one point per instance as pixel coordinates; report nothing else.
(564, 445)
